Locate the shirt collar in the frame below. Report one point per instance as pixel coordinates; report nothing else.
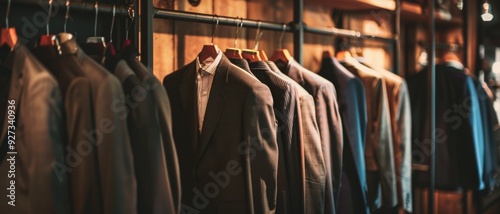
(208, 65)
(455, 64)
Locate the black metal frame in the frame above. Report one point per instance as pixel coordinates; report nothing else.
(75, 6)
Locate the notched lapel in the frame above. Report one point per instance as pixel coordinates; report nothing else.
(215, 106)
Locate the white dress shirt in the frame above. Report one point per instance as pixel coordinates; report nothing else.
(205, 77)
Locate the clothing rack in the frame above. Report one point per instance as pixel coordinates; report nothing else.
(148, 13)
(88, 7)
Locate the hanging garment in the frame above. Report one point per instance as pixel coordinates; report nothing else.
(311, 159)
(379, 152)
(330, 129)
(162, 107)
(352, 108)
(154, 194)
(290, 162)
(77, 108)
(400, 113)
(459, 140)
(115, 174)
(231, 166)
(38, 139)
(241, 63)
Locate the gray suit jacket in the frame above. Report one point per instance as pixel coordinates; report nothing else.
(330, 127)
(162, 104)
(154, 193)
(231, 167)
(38, 139)
(110, 186)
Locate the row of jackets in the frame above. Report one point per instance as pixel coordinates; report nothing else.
(275, 137)
(89, 139)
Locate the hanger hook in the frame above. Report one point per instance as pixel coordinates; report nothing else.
(215, 28)
(112, 24)
(49, 14)
(131, 15)
(96, 6)
(66, 17)
(238, 28)
(258, 35)
(7, 14)
(281, 37)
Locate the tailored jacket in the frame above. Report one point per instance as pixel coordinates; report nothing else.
(459, 140)
(164, 113)
(330, 127)
(231, 166)
(400, 112)
(312, 164)
(110, 185)
(38, 136)
(78, 114)
(379, 152)
(154, 194)
(352, 108)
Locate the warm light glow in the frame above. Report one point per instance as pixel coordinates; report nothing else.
(496, 67)
(487, 16)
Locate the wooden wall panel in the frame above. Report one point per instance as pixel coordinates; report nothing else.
(315, 45)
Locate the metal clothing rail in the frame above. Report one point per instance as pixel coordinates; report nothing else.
(73, 6)
(345, 33)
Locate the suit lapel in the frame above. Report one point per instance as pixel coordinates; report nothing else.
(14, 91)
(188, 93)
(214, 106)
(295, 73)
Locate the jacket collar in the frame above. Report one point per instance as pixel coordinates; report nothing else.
(294, 71)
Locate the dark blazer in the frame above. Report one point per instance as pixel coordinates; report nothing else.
(379, 151)
(78, 114)
(111, 184)
(164, 113)
(309, 146)
(231, 167)
(290, 167)
(352, 108)
(459, 143)
(400, 112)
(154, 194)
(39, 139)
(329, 123)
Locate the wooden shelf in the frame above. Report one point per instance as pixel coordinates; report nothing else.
(412, 12)
(358, 5)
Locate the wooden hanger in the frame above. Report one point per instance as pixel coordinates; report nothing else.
(263, 55)
(343, 55)
(251, 55)
(450, 56)
(210, 51)
(8, 37)
(47, 39)
(235, 53)
(281, 55)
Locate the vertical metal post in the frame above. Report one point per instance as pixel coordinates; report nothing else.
(397, 33)
(298, 34)
(432, 103)
(146, 18)
(465, 33)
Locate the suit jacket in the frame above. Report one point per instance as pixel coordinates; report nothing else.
(459, 145)
(400, 112)
(231, 167)
(312, 164)
(379, 152)
(154, 192)
(241, 63)
(77, 99)
(329, 123)
(162, 104)
(39, 137)
(111, 186)
(352, 108)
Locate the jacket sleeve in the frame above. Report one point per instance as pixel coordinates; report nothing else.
(404, 123)
(116, 167)
(261, 160)
(384, 151)
(43, 146)
(476, 127)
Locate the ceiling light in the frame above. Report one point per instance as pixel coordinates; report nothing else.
(487, 16)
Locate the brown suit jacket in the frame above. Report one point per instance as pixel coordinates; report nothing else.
(330, 129)
(400, 111)
(38, 139)
(231, 167)
(379, 151)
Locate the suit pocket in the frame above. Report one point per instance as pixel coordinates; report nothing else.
(231, 207)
